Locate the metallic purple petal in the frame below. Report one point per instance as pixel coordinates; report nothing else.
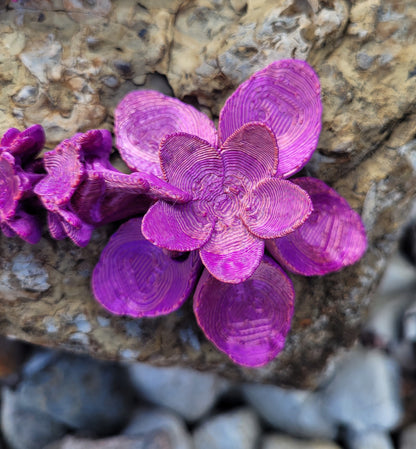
(232, 253)
(332, 237)
(107, 195)
(9, 136)
(26, 144)
(285, 96)
(11, 189)
(177, 227)
(95, 144)
(79, 235)
(248, 321)
(276, 208)
(26, 226)
(65, 173)
(191, 164)
(249, 155)
(143, 118)
(161, 190)
(55, 226)
(134, 277)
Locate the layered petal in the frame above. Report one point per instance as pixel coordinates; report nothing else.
(276, 208)
(250, 320)
(143, 118)
(192, 164)
(11, 189)
(65, 173)
(134, 277)
(286, 97)
(249, 155)
(26, 144)
(95, 144)
(332, 237)
(26, 226)
(232, 253)
(177, 227)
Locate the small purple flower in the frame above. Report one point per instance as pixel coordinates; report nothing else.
(19, 173)
(82, 190)
(236, 201)
(238, 196)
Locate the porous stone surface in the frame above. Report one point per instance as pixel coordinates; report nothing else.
(66, 64)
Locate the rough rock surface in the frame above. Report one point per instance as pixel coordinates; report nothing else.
(66, 64)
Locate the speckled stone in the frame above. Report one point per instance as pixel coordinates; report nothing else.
(66, 64)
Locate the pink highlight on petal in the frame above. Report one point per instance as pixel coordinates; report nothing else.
(276, 208)
(248, 321)
(286, 97)
(250, 154)
(143, 118)
(191, 164)
(232, 253)
(177, 227)
(134, 277)
(332, 237)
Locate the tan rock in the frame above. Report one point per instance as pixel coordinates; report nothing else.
(66, 65)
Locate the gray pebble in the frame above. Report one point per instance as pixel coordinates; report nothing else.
(364, 393)
(187, 392)
(238, 429)
(77, 391)
(369, 440)
(408, 437)
(24, 428)
(161, 422)
(285, 442)
(299, 413)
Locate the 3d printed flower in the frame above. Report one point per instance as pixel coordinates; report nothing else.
(238, 196)
(82, 190)
(19, 173)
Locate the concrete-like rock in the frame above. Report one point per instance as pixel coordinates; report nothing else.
(66, 64)
(187, 392)
(239, 428)
(299, 413)
(25, 428)
(162, 423)
(285, 442)
(364, 393)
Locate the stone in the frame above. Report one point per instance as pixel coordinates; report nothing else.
(364, 393)
(375, 439)
(284, 442)
(159, 422)
(239, 428)
(118, 442)
(408, 437)
(189, 393)
(76, 391)
(25, 428)
(399, 274)
(296, 412)
(66, 64)
(384, 323)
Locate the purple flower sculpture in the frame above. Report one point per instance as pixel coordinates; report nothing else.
(238, 200)
(19, 173)
(82, 190)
